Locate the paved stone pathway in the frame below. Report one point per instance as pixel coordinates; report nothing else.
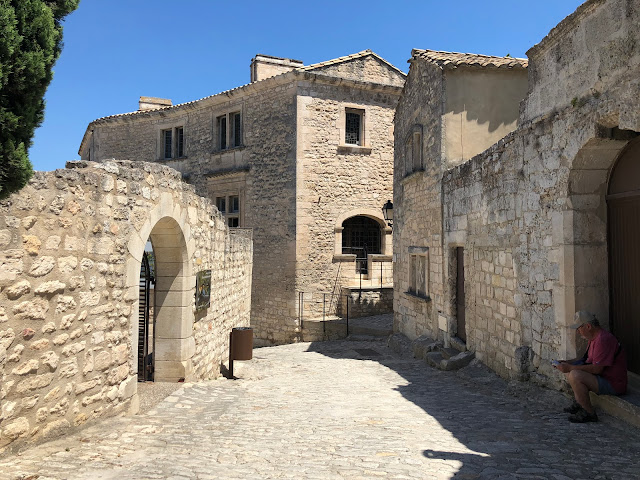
(342, 410)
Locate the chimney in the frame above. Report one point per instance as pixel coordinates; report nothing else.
(265, 66)
(153, 103)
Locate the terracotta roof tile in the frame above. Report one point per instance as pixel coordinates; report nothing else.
(450, 60)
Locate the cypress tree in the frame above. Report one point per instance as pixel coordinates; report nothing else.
(30, 43)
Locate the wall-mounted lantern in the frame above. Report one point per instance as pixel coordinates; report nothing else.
(387, 211)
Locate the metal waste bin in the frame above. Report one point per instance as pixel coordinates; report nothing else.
(242, 343)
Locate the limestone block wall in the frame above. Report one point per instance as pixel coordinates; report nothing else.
(531, 211)
(337, 181)
(592, 52)
(416, 197)
(267, 160)
(72, 242)
(368, 69)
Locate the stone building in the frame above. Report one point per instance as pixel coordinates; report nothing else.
(71, 337)
(303, 155)
(497, 247)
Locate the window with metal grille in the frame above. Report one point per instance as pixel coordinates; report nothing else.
(167, 142)
(353, 127)
(180, 142)
(361, 236)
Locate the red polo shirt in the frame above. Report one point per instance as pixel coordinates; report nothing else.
(602, 351)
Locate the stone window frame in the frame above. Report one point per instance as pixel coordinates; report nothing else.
(227, 186)
(418, 285)
(177, 142)
(233, 123)
(343, 146)
(413, 151)
(386, 246)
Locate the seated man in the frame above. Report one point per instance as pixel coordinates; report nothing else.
(603, 371)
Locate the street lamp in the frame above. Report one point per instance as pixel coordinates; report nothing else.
(387, 211)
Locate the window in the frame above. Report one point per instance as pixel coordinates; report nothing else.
(172, 143)
(361, 236)
(413, 150)
(353, 132)
(180, 142)
(167, 142)
(229, 131)
(229, 207)
(222, 132)
(236, 130)
(419, 271)
(221, 203)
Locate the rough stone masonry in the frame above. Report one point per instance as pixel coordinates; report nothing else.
(72, 242)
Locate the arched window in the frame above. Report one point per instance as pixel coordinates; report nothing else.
(361, 236)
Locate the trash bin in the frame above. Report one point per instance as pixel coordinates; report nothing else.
(242, 343)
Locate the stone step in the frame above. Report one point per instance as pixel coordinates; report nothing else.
(458, 344)
(423, 345)
(433, 359)
(437, 360)
(625, 407)
(370, 330)
(363, 338)
(448, 352)
(458, 361)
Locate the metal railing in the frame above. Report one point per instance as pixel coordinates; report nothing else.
(325, 296)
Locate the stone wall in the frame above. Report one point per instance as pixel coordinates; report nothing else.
(530, 212)
(416, 199)
(72, 242)
(295, 178)
(338, 181)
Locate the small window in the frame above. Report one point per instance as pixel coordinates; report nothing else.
(222, 132)
(413, 150)
(180, 142)
(353, 127)
(234, 204)
(221, 203)
(167, 142)
(229, 207)
(418, 273)
(416, 151)
(236, 129)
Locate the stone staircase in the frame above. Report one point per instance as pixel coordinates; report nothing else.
(433, 352)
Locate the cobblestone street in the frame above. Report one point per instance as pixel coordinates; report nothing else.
(342, 409)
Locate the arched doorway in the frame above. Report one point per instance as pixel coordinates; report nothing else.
(172, 337)
(623, 213)
(361, 236)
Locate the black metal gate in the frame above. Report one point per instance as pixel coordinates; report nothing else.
(145, 359)
(623, 207)
(460, 297)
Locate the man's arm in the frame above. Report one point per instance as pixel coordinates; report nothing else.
(594, 369)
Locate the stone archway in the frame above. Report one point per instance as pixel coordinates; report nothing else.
(623, 215)
(174, 341)
(581, 230)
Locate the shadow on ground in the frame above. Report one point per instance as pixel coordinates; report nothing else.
(516, 429)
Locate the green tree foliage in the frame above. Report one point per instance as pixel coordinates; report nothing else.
(30, 43)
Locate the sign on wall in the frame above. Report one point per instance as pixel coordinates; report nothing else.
(203, 289)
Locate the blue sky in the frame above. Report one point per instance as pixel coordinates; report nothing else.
(117, 50)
